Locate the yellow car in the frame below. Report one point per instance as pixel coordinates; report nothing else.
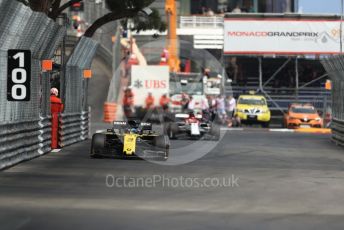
(253, 109)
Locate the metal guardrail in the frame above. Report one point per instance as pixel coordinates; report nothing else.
(44, 136)
(201, 22)
(74, 128)
(338, 131)
(18, 142)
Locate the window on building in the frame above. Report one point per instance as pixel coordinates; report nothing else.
(244, 6)
(275, 6)
(261, 6)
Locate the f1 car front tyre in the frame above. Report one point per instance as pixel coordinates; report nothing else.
(98, 141)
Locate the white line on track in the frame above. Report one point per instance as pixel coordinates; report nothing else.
(232, 129)
(282, 130)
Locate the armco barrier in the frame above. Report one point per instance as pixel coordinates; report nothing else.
(25, 126)
(73, 128)
(44, 135)
(18, 142)
(338, 132)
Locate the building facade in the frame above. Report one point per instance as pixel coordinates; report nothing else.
(250, 6)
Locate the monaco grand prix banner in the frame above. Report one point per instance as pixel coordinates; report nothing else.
(281, 36)
(149, 79)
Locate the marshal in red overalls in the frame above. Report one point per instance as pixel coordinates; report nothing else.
(56, 108)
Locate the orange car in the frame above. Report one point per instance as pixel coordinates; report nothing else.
(302, 116)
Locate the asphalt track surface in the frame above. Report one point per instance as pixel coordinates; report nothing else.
(283, 181)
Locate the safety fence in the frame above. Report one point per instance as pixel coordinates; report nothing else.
(338, 131)
(74, 122)
(93, 11)
(25, 127)
(335, 68)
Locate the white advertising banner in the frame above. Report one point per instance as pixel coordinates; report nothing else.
(149, 79)
(281, 36)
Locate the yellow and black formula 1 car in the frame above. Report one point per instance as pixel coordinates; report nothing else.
(130, 139)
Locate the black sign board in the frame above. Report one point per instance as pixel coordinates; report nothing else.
(19, 75)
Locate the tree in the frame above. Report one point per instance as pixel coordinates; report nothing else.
(129, 9)
(119, 9)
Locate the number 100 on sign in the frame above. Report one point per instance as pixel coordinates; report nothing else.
(19, 75)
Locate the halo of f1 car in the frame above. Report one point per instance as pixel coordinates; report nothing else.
(189, 125)
(130, 139)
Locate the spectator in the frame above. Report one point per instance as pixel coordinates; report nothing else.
(205, 108)
(220, 107)
(164, 102)
(230, 106)
(128, 102)
(210, 12)
(237, 9)
(150, 101)
(205, 104)
(212, 107)
(203, 10)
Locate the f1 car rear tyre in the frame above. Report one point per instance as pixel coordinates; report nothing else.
(98, 141)
(172, 130)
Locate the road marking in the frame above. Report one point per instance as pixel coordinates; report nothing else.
(282, 130)
(232, 129)
(318, 131)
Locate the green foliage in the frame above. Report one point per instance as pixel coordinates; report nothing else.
(120, 9)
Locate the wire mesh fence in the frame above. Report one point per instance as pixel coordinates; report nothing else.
(75, 88)
(25, 126)
(335, 68)
(75, 118)
(93, 11)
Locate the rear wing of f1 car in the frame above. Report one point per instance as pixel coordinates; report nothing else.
(118, 125)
